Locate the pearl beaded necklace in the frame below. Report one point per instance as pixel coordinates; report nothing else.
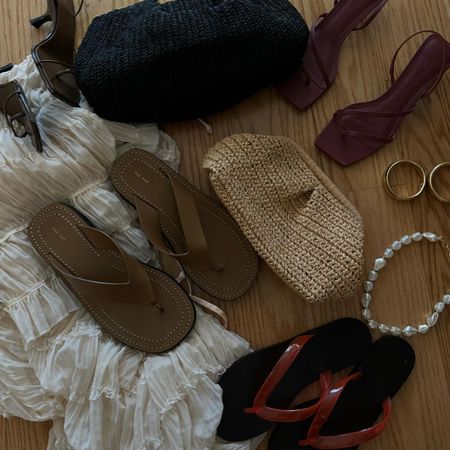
(366, 298)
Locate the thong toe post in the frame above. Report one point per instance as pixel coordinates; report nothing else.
(184, 223)
(138, 305)
(348, 413)
(259, 388)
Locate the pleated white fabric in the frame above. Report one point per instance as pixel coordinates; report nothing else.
(55, 361)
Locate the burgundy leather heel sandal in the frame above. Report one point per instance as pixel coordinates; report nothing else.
(54, 56)
(361, 129)
(320, 64)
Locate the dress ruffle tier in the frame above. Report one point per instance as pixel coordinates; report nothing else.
(55, 361)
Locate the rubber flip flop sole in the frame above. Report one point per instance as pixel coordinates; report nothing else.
(335, 346)
(385, 369)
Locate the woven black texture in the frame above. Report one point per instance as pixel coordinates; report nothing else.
(186, 59)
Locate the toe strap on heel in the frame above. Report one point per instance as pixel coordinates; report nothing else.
(367, 138)
(265, 412)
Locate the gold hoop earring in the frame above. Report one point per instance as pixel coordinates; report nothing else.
(416, 167)
(431, 184)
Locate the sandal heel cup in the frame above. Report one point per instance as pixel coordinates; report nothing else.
(37, 22)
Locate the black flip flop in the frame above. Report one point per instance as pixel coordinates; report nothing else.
(259, 388)
(347, 415)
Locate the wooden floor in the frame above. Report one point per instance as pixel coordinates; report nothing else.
(409, 287)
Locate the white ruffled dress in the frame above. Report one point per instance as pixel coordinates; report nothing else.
(55, 361)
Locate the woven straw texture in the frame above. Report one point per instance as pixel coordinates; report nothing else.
(186, 59)
(298, 221)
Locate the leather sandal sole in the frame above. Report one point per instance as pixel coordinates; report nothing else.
(146, 310)
(140, 175)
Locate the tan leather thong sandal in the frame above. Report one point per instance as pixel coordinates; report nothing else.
(138, 305)
(183, 222)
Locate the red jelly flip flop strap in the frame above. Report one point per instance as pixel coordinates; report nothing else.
(346, 440)
(281, 367)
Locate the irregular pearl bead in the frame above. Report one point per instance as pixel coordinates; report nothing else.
(417, 236)
(432, 319)
(373, 275)
(379, 264)
(430, 236)
(406, 240)
(409, 331)
(366, 299)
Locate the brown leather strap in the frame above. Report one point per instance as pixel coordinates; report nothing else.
(194, 235)
(14, 104)
(66, 71)
(196, 251)
(151, 224)
(12, 107)
(136, 287)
